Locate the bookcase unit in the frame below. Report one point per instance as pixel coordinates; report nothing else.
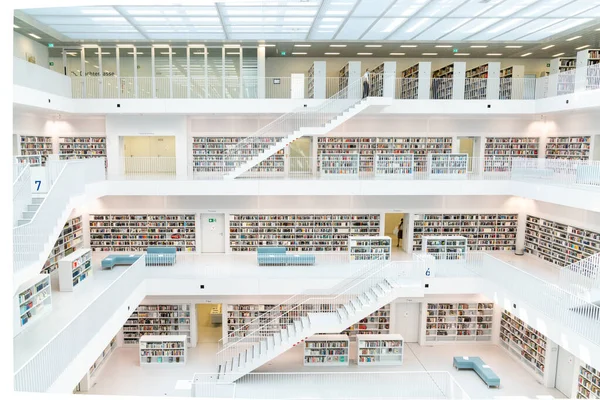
(33, 300)
(568, 147)
(327, 351)
(523, 342)
(300, 232)
(394, 166)
(135, 232)
(158, 320)
(36, 145)
(588, 382)
(512, 84)
(557, 243)
(448, 82)
(501, 149)
(376, 323)
(562, 76)
(379, 349)
(163, 350)
(441, 246)
(383, 80)
(208, 155)
(69, 240)
(448, 166)
(349, 73)
(587, 73)
(484, 232)
(73, 269)
(416, 81)
(317, 80)
(365, 248)
(483, 82)
(81, 147)
(339, 166)
(448, 322)
(89, 378)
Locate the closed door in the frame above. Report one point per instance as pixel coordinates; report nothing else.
(213, 233)
(407, 321)
(297, 86)
(565, 369)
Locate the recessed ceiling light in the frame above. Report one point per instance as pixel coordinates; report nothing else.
(598, 29)
(160, 45)
(557, 55)
(364, 54)
(33, 35)
(408, 45)
(337, 45)
(95, 66)
(479, 46)
(103, 52)
(372, 45)
(332, 54)
(429, 54)
(131, 52)
(462, 54)
(87, 62)
(166, 52)
(299, 54)
(124, 45)
(302, 45)
(229, 46)
(442, 46)
(397, 54)
(582, 47)
(16, 26)
(513, 47)
(526, 54)
(548, 47)
(494, 54)
(573, 38)
(266, 45)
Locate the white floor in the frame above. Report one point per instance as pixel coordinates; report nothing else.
(122, 374)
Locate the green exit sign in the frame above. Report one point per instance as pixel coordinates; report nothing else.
(455, 50)
(212, 220)
(547, 65)
(51, 63)
(282, 53)
(50, 44)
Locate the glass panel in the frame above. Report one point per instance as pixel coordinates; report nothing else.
(180, 73)
(215, 72)
(56, 60)
(232, 72)
(144, 72)
(126, 71)
(197, 56)
(250, 73)
(300, 155)
(161, 67)
(92, 73)
(73, 70)
(109, 73)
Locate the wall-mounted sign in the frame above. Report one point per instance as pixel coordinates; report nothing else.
(211, 220)
(276, 81)
(50, 44)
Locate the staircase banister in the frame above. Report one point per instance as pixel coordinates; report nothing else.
(25, 168)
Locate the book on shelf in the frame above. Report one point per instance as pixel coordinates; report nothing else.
(459, 322)
(568, 147)
(376, 323)
(74, 269)
(81, 147)
(523, 342)
(326, 350)
(165, 350)
(36, 145)
(158, 319)
(69, 240)
(33, 300)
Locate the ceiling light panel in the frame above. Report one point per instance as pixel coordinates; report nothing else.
(73, 11)
(474, 8)
(354, 28)
(554, 29)
(370, 8)
(498, 29)
(413, 28)
(186, 36)
(573, 9)
(110, 36)
(91, 28)
(531, 27)
(443, 27)
(471, 28)
(541, 7)
(438, 8)
(82, 20)
(383, 28)
(405, 8)
(509, 7)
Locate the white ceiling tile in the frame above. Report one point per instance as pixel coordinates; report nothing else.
(412, 28)
(541, 7)
(268, 36)
(441, 28)
(370, 8)
(76, 11)
(383, 28)
(187, 36)
(499, 28)
(405, 8)
(91, 28)
(439, 8)
(324, 34)
(107, 36)
(573, 9)
(594, 13)
(83, 20)
(354, 28)
(526, 29)
(555, 29)
(507, 8)
(470, 28)
(474, 8)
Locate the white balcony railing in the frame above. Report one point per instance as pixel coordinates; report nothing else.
(583, 277)
(21, 191)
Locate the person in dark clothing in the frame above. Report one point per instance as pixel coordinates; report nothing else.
(365, 80)
(399, 234)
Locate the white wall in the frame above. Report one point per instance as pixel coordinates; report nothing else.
(22, 45)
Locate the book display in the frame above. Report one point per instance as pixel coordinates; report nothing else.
(484, 232)
(482, 82)
(74, 148)
(339, 165)
(448, 166)
(135, 232)
(588, 382)
(103, 357)
(523, 342)
(587, 75)
(317, 80)
(36, 145)
(394, 166)
(568, 147)
(379, 349)
(562, 76)
(512, 83)
(74, 269)
(208, 155)
(383, 80)
(158, 319)
(327, 351)
(448, 82)
(557, 243)
(377, 323)
(441, 247)
(69, 240)
(163, 350)
(300, 232)
(409, 86)
(33, 300)
(501, 149)
(366, 248)
(459, 322)
(349, 73)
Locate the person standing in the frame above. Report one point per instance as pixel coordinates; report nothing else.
(365, 80)
(399, 231)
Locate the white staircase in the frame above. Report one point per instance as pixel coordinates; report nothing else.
(31, 209)
(307, 314)
(318, 120)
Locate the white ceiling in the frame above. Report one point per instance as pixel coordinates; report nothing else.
(323, 20)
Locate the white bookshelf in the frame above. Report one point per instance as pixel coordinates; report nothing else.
(90, 377)
(383, 80)
(394, 166)
(366, 248)
(484, 232)
(339, 166)
(447, 166)
(442, 246)
(568, 147)
(317, 80)
(483, 82)
(376, 323)
(379, 349)
(448, 82)
(74, 269)
(562, 76)
(587, 75)
(300, 232)
(69, 240)
(588, 382)
(36, 145)
(158, 320)
(448, 322)
(350, 73)
(501, 149)
(523, 342)
(327, 351)
(512, 84)
(416, 81)
(33, 300)
(208, 154)
(33, 160)
(557, 243)
(135, 232)
(81, 147)
(156, 350)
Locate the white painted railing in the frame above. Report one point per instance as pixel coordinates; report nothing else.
(397, 385)
(67, 179)
(583, 277)
(144, 167)
(42, 370)
(21, 191)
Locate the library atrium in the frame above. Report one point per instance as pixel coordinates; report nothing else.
(294, 199)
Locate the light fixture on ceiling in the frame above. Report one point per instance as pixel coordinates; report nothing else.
(302, 45)
(332, 54)
(229, 46)
(429, 54)
(548, 47)
(337, 45)
(443, 46)
(16, 26)
(558, 55)
(526, 54)
(573, 38)
(198, 53)
(124, 45)
(372, 45)
(33, 35)
(364, 54)
(513, 47)
(582, 47)
(161, 45)
(103, 52)
(298, 54)
(479, 46)
(397, 54)
(408, 45)
(95, 66)
(462, 54)
(138, 53)
(167, 52)
(232, 54)
(72, 54)
(494, 54)
(266, 45)
(598, 29)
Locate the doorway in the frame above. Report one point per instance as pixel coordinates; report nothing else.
(565, 369)
(407, 320)
(391, 221)
(300, 161)
(149, 154)
(209, 321)
(213, 233)
(470, 145)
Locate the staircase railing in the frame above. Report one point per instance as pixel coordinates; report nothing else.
(21, 191)
(291, 122)
(313, 301)
(583, 277)
(31, 239)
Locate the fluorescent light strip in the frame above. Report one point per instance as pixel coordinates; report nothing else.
(132, 53)
(364, 54)
(548, 47)
(33, 35)
(582, 47)
(229, 46)
(332, 54)
(372, 45)
(16, 26)
(557, 55)
(302, 45)
(513, 47)
(444, 46)
(573, 38)
(408, 45)
(103, 52)
(429, 54)
(124, 45)
(494, 54)
(397, 54)
(526, 54)
(266, 45)
(462, 54)
(479, 47)
(299, 54)
(337, 45)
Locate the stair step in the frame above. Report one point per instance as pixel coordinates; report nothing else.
(305, 322)
(348, 309)
(33, 207)
(385, 288)
(291, 330)
(298, 325)
(37, 200)
(392, 283)
(356, 304)
(377, 291)
(370, 296)
(23, 222)
(365, 300)
(28, 214)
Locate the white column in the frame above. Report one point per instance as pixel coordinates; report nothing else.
(520, 241)
(493, 81)
(260, 75)
(424, 81)
(458, 84)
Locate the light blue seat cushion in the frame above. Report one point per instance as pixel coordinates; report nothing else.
(286, 259)
(161, 250)
(480, 368)
(119, 259)
(159, 255)
(271, 250)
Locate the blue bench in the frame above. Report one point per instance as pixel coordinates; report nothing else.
(119, 259)
(279, 256)
(161, 255)
(476, 364)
